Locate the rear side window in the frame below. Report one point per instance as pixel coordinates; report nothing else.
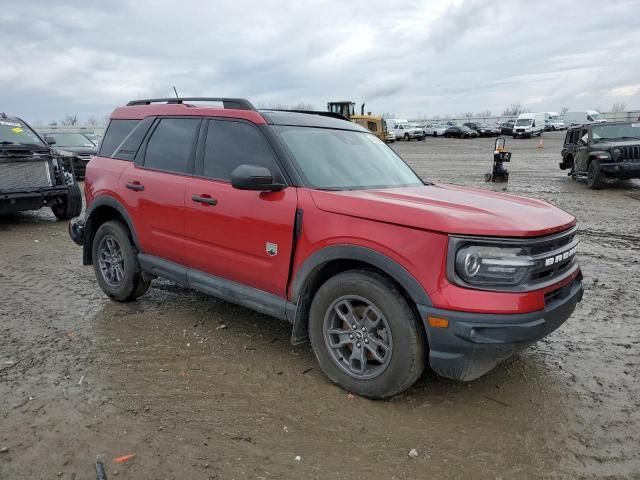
(115, 134)
(172, 144)
(130, 145)
(231, 144)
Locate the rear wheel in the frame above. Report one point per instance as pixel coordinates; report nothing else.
(115, 263)
(406, 137)
(435, 134)
(594, 175)
(70, 206)
(365, 336)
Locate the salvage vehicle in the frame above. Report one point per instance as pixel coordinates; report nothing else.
(580, 118)
(483, 129)
(435, 129)
(506, 128)
(75, 145)
(460, 131)
(528, 124)
(32, 176)
(315, 220)
(602, 152)
(407, 132)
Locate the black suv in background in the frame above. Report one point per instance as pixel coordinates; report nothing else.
(483, 129)
(32, 175)
(601, 151)
(75, 145)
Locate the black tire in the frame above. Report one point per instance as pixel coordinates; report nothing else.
(406, 137)
(406, 344)
(71, 205)
(435, 134)
(132, 284)
(594, 175)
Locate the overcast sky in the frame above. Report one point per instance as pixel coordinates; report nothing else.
(405, 57)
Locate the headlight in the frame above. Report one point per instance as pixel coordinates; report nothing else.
(616, 153)
(489, 265)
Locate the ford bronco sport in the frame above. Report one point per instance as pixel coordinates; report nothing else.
(313, 219)
(32, 175)
(601, 151)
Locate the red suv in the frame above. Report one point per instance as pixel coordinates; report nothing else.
(313, 219)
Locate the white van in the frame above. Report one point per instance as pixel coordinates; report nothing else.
(528, 125)
(580, 118)
(391, 122)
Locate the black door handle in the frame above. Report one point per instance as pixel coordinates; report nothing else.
(137, 186)
(204, 199)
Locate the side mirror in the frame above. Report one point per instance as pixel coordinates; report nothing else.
(252, 177)
(49, 140)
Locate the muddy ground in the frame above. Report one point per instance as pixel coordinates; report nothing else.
(198, 388)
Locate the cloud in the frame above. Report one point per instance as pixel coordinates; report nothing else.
(427, 58)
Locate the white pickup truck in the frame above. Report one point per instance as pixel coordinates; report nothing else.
(407, 131)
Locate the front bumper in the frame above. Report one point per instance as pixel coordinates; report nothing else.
(621, 169)
(473, 344)
(16, 201)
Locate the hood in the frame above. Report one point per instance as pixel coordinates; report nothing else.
(449, 209)
(79, 150)
(606, 146)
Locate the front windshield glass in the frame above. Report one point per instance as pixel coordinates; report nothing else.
(593, 117)
(524, 122)
(15, 132)
(345, 160)
(620, 131)
(71, 140)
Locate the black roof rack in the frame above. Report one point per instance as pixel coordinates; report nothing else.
(234, 103)
(322, 113)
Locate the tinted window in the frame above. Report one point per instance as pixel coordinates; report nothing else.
(230, 144)
(129, 147)
(171, 144)
(116, 132)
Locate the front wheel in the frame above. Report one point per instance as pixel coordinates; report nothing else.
(406, 137)
(594, 176)
(115, 263)
(365, 335)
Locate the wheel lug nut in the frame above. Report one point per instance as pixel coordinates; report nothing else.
(351, 337)
(366, 340)
(354, 326)
(358, 345)
(364, 329)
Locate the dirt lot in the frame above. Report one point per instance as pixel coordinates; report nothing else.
(197, 388)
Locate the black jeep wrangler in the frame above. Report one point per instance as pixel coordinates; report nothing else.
(602, 151)
(32, 175)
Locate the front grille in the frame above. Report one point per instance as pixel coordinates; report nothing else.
(554, 256)
(519, 130)
(630, 153)
(24, 175)
(84, 156)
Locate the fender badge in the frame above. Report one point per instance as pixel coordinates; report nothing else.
(272, 249)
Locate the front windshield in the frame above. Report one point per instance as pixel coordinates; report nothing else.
(593, 117)
(71, 140)
(15, 132)
(345, 160)
(620, 131)
(523, 122)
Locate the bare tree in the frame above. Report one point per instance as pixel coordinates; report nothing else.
(514, 109)
(564, 110)
(467, 115)
(619, 107)
(70, 120)
(92, 121)
(484, 113)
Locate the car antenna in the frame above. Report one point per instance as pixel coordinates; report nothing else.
(176, 91)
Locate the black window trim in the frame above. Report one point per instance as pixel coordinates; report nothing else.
(144, 137)
(198, 171)
(142, 151)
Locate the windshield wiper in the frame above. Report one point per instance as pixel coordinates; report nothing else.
(631, 138)
(6, 142)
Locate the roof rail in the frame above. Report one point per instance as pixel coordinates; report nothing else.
(322, 113)
(234, 103)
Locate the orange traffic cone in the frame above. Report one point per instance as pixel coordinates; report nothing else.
(541, 142)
